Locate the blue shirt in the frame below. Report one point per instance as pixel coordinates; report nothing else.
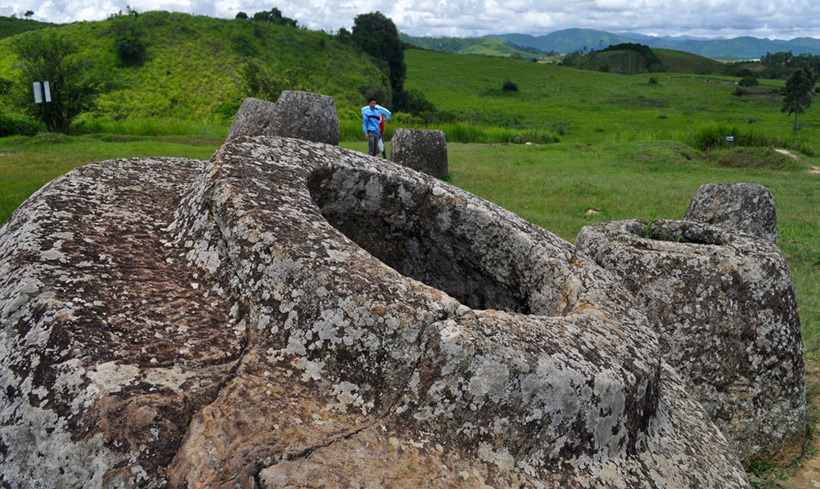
(370, 120)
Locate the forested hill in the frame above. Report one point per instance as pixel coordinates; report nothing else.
(160, 64)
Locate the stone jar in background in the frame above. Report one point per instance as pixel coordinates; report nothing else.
(420, 149)
(747, 207)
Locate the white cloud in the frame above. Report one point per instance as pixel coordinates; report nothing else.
(708, 18)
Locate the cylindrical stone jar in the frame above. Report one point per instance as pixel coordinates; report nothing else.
(724, 305)
(420, 149)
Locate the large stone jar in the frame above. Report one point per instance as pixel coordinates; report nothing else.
(300, 115)
(294, 314)
(723, 303)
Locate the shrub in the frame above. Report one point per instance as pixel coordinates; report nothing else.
(128, 44)
(653, 80)
(226, 110)
(130, 50)
(16, 125)
(748, 81)
(509, 86)
(243, 44)
(413, 101)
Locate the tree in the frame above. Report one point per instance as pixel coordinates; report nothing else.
(128, 44)
(377, 36)
(28, 14)
(242, 16)
(274, 16)
(797, 94)
(46, 56)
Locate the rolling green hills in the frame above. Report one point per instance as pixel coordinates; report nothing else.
(192, 77)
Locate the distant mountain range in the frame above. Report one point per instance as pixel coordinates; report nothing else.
(569, 40)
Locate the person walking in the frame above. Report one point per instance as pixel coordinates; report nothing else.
(370, 126)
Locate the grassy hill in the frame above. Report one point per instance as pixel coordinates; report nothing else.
(11, 26)
(683, 62)
(633, 58)
(192, 69)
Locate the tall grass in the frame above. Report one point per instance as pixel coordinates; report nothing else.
(153, 126)
(459, 132)
(707, 137)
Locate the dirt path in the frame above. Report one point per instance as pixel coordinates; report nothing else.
(814, 170)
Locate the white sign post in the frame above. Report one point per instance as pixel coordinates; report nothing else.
(42, 95)
(42, 92)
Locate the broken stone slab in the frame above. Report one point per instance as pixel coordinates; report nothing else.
(300, 115)
(747, 207)
(423, 150)
(723, 303)
(290, 314)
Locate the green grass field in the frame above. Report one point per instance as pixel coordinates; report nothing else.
(590, 107)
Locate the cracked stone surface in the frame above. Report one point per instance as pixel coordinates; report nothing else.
(293, 314)
(723, 303)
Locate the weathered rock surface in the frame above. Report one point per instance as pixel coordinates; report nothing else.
(747, 207)
(723, 303)
(293, 314)
(420, 149)
(300, 115)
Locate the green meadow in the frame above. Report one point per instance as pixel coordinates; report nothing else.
(603, 146)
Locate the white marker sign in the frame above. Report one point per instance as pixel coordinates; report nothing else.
(42, 92)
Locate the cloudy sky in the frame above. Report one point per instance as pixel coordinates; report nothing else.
(774, 19)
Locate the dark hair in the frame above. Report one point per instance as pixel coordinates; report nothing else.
(371, 99)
